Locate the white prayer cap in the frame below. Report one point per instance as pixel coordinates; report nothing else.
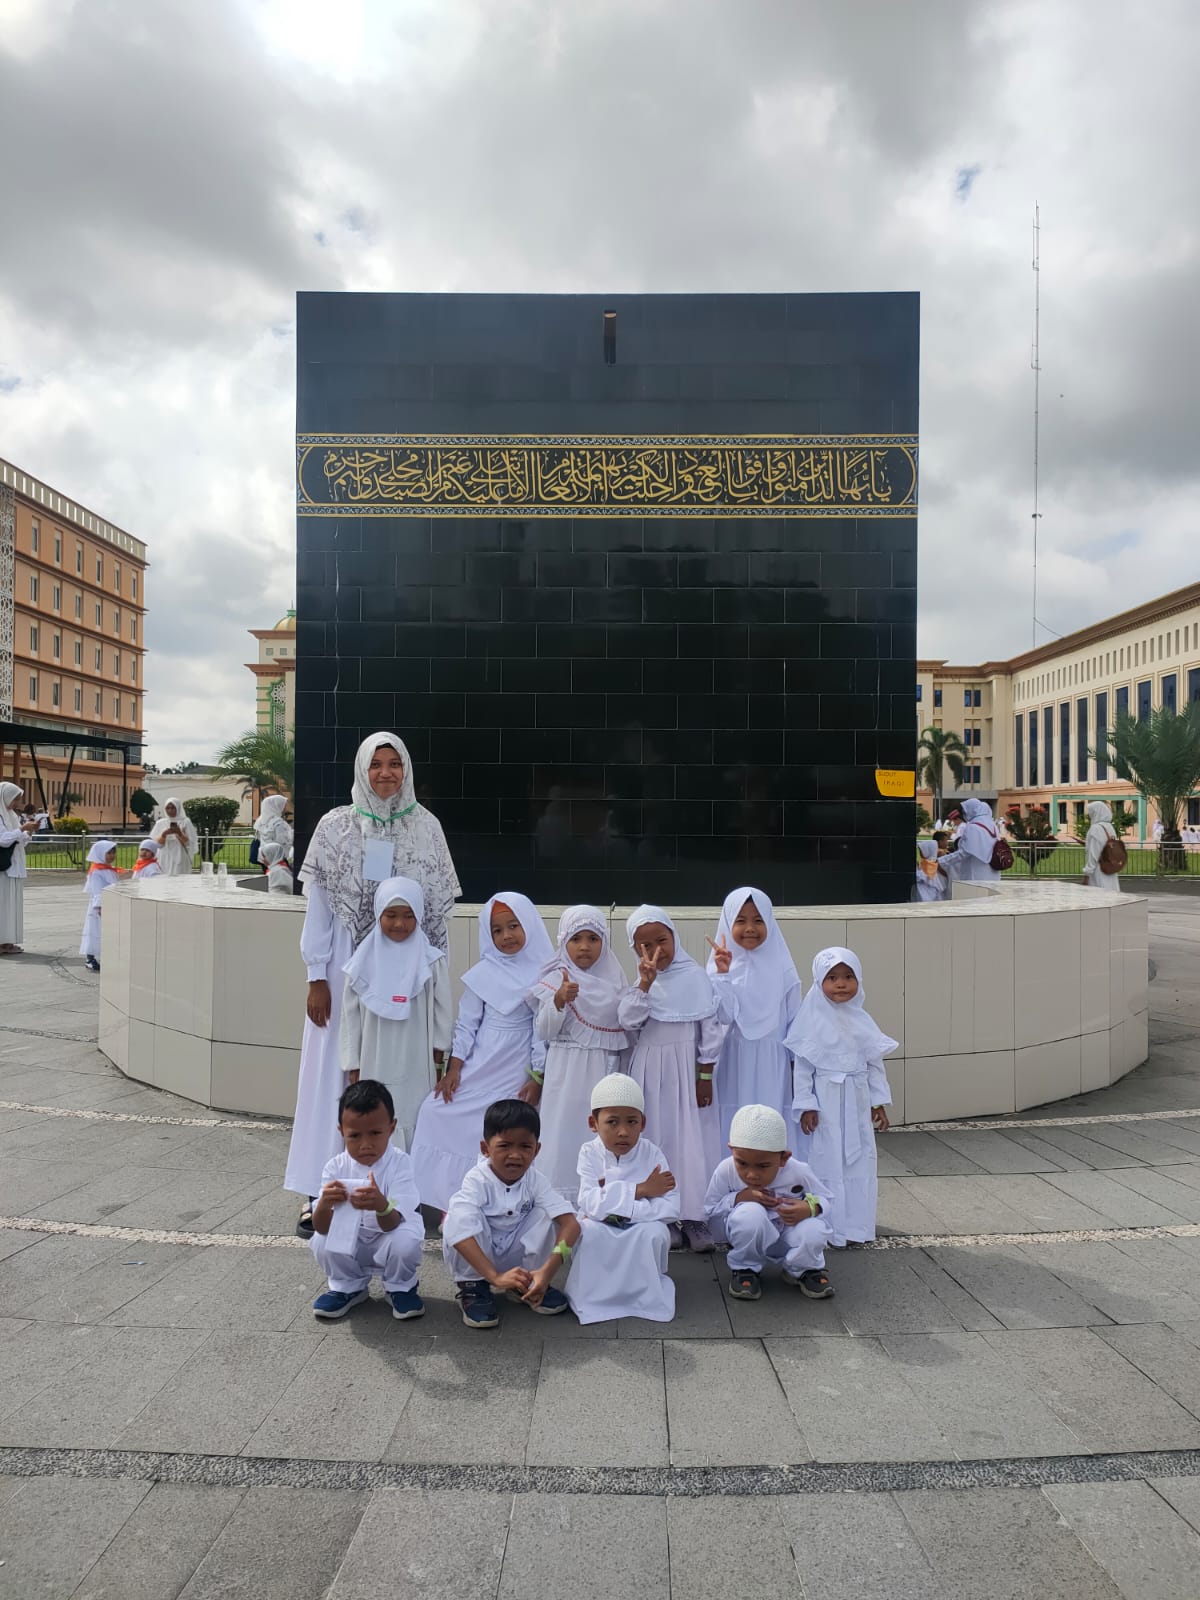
(758, 1128)
(619, 1089)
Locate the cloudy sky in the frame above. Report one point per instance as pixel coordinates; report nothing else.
(174, 170)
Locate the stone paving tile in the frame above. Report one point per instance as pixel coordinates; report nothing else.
(552, 1536)
(39, 1563)
(14, 1240)
(877, 1293)
(50, 1265)
(888, 1164)
(25, 1183)
(95, 1293)
(1091, 1155)
(1011, 1284)
(217, 1399)
(103, 1198)
(159, 1548)
(1115, 1200)
(1185, 1135)
(289, 1541)
(1139, 1140)
(927, 1155)
(88, 1407)
(1053, 1153)
(998, 1544)
(856, 1547)
(39, 1357)
(189, 1295)
(274, 1211)
(1125, 1289)
(1183, 1496)
(1105, 1401)
(578, 1420)
(236, 1150)
(1167, 1357)
(1147, 1549)
(447, 1545)
(972, 1396)
(998, 1152)
(346, 1401)
(1040, 1205)
(850, 1402)
(192, 1200)
(469, 1394)
(709, 1428)
(699, 1531)
(899, 1212)
(1161, 1186)
(966, 1311)
(961, 1205)
(701, 1304)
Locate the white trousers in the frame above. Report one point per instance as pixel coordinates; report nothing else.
(526, 1246)
(755, 1238)
(395, 1256)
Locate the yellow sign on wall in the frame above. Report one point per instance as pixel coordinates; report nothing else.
(894, 784)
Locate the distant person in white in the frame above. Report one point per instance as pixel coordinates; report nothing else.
(271, 827)
(932, 883)
(177, 840)
(14, 834)
(1098, 836)
(972, 861)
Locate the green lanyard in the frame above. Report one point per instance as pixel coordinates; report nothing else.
(383, 821)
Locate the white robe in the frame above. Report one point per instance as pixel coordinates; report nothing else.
(663, 1062)
(513, 1224)
(1098, 836)
(399, 1052)
(174, 858)
(573, 1067)
(960, 864)
(755, 1234)
(753, 1072)
(496, 1049)
(927, 890)
(394, 1253)
(97, 883)
(621, 1271)
(842, 1088)
(325, 948)
(12, 889)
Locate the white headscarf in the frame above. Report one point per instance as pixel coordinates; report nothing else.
(979, 833)
(335, 853)
(271, 854)
(100, 851)
(384, 974)
(682, 992)
(762, 978)
(271, 812)
(827, 1031)
(149, 845)
(1100, 815)
(927, 848)
(9, 792)
(501, 981)
(183, 821)
(600, 986)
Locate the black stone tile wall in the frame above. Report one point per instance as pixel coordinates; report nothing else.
(618, 707)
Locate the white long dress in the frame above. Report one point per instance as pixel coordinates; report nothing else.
(174, 858)
(12, 889)
(842, 1088)
(621, 1271)
(663, 1062)
(97, 883)
(1098, 836)
(325, 948)
(753, 1072)
(496, 1049)
(573, 1068)
(399, 1054)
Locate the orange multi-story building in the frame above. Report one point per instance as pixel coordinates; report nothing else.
(72, 646)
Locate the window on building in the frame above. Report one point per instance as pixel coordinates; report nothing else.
(133, 669)
(133, 584)
(79, 559)
(56, 596)
(33, 586)
(99, 659)
(966, 697)
(78, 699)
(98, 613)
(98, 706)
(116, 665)
(133, 629)
(79, 652)
(133, 712)
(1170, 690)
(271, 652)
(1193, 683)
(937, 698)
(58, 549)
(1143, 700)
(1062, 813)
(1019, 750)
(79, 607)
(1081, 741)
(33, 638)
(1193, 813)
(116, 622)
(1122, 702)
(56, 645)
(99, 569)
(1101, 737)
(1048, 741)
(283, 650)
(117, 576)
(35, 535)
(1033, 749)
(1064, 742)
(976, 774)
(33, 690)
(117, 707)
(55, 694)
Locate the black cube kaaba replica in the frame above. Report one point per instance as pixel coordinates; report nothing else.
(634, 578)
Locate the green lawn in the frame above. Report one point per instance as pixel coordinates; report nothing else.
(59, 852)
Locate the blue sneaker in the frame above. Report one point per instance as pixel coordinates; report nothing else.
(553, 1301)
(406, 1304)
(478, 1305)
(334, 1304)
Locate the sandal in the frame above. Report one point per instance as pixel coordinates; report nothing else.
(815, 1285)
(304, 1223)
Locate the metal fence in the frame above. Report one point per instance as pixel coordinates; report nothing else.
(64, 852)
(1050, 858)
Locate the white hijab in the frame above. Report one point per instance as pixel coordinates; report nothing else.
(271, 812)
(335, 853)
(761, 979)
(682, 992)
(384, 974)
(826, 1030)
(600, 986)
(979, 833)
(9, 792)
(501, 981)
(1100, 816)
(187, 826)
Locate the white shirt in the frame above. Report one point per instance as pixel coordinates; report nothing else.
(608, 1186)
(794, 1178)
(393, 1177)
(487, 1207)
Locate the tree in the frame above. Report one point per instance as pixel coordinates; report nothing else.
(1123, 819)
(1161, 758)
(71, 797)
(261, 760)
(938, 749)
(142, 804)
(924, 820)
(212, 814)
(1032, 836)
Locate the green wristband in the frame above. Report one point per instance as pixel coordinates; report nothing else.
(704, 1077)
(563, 1249)
(814, 1203)
(391, 1206)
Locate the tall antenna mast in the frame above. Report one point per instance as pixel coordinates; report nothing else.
(1036, 364)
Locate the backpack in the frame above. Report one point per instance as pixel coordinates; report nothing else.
(1002, 856)
(1113, 857)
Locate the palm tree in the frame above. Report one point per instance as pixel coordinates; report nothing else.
(1161, 758)
(938, 749)
(262, 760)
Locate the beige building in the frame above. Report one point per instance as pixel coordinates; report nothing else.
(275, 671)
(72, 644)
(1030, 723)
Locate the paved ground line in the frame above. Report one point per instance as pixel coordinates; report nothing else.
(130, 1116)
(895, 1241)
(806, 1478)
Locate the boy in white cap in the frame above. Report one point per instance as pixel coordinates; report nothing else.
(770, 1207)
(627, 1199)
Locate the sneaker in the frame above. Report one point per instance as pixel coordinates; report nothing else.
(406, 1304)
(553, 1301)
(745, 1285)
(478, 1305)
(676, 1233)
(813, 1283)
(334, 1304)
(698, 1237)
(92, 964)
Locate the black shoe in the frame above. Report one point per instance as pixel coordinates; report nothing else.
(304, 1223)
(745, 1285)
(92, 964)
(813, 1284)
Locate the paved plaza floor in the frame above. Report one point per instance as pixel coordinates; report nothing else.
(1003, 1399)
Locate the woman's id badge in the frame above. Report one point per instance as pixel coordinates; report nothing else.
(377, 860)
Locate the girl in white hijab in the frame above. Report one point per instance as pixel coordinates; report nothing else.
(177, 840)
(493, 1051)
(146, 866)
(14, 832)
(671, 1015)
(270, 827)
(355, 848)
(841, 1090)
(932, 883)
(101, 875)
(1098, 835)
(272, 858)
(396, 1017)
(977, 838)
(758, 995)
(575, 1000)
